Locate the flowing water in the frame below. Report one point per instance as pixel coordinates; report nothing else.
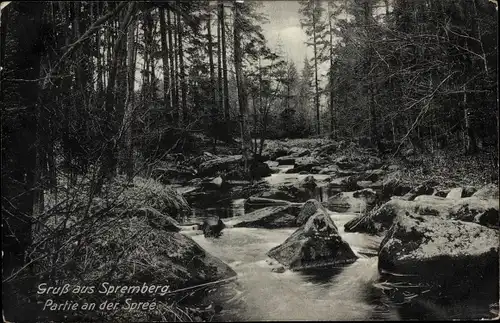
(260, 294)
(343, 293)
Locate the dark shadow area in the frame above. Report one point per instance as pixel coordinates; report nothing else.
(321, 275)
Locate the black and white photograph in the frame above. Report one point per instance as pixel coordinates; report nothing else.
(249, 160)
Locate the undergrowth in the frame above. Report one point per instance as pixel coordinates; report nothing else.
(84, 240)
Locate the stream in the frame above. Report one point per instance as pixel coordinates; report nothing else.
(343, 293)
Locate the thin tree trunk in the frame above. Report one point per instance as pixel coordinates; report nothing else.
(173, 66)
(129, 115)
(165, 51)
(152, 62)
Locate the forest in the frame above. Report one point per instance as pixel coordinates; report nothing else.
(122, 117)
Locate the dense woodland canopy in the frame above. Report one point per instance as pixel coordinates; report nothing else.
(107, 88)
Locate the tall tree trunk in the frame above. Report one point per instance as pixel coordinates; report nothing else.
(470, 137)
(370, 87)
(240, 81)
(211, 60)
(332, 108)
(219, 70)
(173, 66)
(19, 127)
(148, 44)
(152, 62)
(65, 89)
(165, 51)
(213, 84)
(227, 114)
(316, 82)
(177, 76)
(108, 165)
(99, 67)
(129, 115)
(182, 76)
(121, 82)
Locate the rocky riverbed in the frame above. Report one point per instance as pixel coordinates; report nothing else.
(314, 218)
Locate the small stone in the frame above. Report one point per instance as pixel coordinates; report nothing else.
(279, 269)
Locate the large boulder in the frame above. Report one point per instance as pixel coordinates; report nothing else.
(315, 244)
(211, 166)
(279, 152)
(452, 259)
(254, 203)
(212, 227)
(305, 164)
(246, 191)
(130, 250)
(489, 191)
(473, 209)
(395, 185)
(348, 183)
(422, 189)
(344, 162)
(358, 201)
(299, 191)
(259, 170)
(359, 163)
(276, 194)
(330, 170)
(299, 152)
(269, 218)
(381, 219)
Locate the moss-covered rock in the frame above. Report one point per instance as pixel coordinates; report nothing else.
(381, 219)
(489, 191)
(453, 259)
(269, 217)
(315, 244)
(129, 251)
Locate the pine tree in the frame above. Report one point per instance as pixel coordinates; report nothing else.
(313, 24)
